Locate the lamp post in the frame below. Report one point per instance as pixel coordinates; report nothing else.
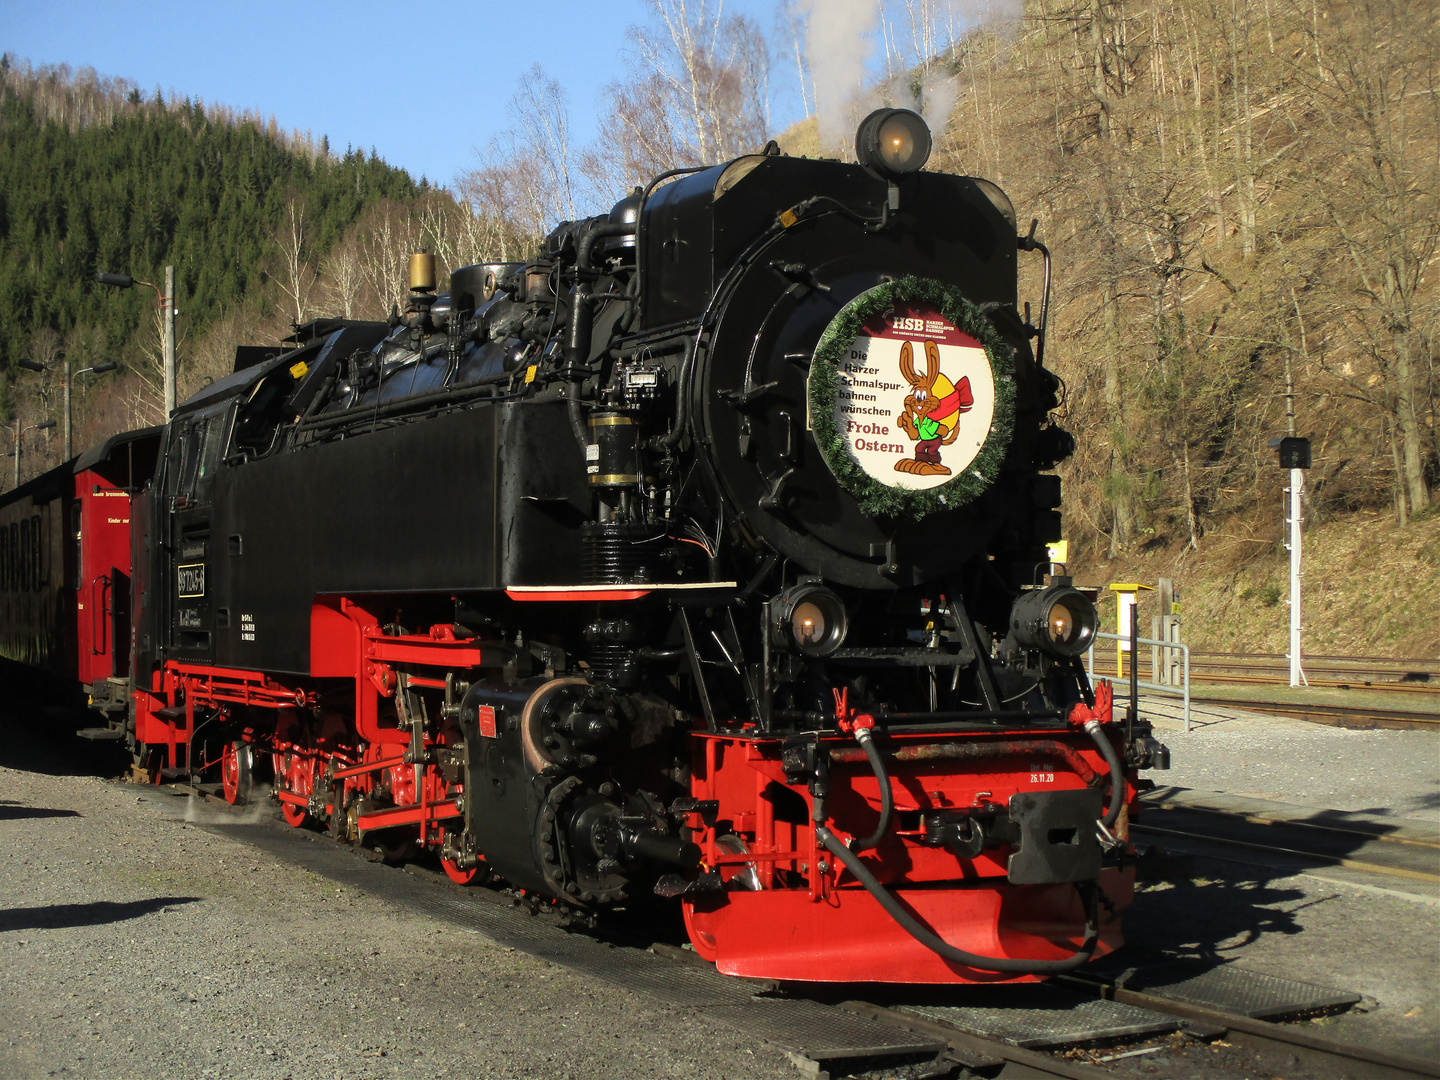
(94, 369)
(167, 311)
(104, 365)
(19, 431)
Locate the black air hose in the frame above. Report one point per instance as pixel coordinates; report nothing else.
(577, 419)
(1117, 772)
(887, 799)
(932, 941)
(577, 334)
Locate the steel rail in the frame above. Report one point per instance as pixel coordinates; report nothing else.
(977, 1051)
(1304, 1048)
(1294, 1046)
(1418, 689)
(1254, 818)
(1330, 657)
(1275, 849)
(1377, 672)
(1332, 714)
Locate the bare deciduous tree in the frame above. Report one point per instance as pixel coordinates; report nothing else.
(697, 92)
(387, 235)
(1373, 167)
(296, 276)
(343, 278)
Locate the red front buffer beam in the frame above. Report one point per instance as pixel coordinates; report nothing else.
(820, 790)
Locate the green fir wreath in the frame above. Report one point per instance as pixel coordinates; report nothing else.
(882, 500)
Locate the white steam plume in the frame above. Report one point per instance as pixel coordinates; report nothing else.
(841, 36)
(938, 93)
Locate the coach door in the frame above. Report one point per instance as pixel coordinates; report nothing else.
(190, 465)
(100, 532)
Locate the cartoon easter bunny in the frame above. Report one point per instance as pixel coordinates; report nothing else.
(932, 411)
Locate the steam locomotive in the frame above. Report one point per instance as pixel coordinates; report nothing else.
(703, 557)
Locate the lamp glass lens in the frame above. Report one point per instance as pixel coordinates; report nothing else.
(1061, 624)
(898, 143)
(808, 624)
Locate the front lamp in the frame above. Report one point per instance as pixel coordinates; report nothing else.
(808, 619)
(1059, 620)
(892, 142)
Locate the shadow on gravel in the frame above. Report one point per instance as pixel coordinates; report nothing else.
(1214, 920)
(1409, 805)
(12, 812)
(61, 916)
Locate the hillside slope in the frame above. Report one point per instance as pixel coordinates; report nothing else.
(1367, 590)
(95, 176)
(1237, 197)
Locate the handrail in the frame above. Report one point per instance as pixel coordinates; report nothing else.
(1162, 688)
(99, 616)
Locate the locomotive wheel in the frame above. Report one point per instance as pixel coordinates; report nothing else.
(455, 874)
(235, 773)
(293, 815)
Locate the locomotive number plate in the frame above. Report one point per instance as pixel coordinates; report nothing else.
(190, 580)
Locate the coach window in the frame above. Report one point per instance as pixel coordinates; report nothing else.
(77, 569)
(211, 443)
(40, 558)
(180, 460)
(25, 555)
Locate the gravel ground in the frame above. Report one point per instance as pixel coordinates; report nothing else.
(1307, 926)
(1391, 773)
(1321, 932)
(139, 946)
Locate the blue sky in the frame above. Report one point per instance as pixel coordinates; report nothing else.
(422, 84)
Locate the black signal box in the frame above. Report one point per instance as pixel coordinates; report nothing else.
(1294, 452)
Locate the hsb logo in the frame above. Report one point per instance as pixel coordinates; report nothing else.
(916, 324)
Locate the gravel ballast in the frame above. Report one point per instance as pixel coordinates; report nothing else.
(138, 945)
(1389, 773)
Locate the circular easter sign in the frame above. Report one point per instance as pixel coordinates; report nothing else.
(912, 398)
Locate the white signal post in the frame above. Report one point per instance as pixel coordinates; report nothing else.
(1295, 456)
(169, 345)
(1297, 488)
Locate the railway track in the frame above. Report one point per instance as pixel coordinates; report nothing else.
(883, 1036)
(1244, 679)
(1254, 1046)
(1349, 716)
(1383, 674)
(1405, 850)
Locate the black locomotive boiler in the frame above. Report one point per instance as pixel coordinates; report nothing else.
(703, 557)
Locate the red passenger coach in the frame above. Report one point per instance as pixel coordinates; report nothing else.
(65, 567)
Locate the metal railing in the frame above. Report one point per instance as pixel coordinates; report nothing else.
(1182, 691)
